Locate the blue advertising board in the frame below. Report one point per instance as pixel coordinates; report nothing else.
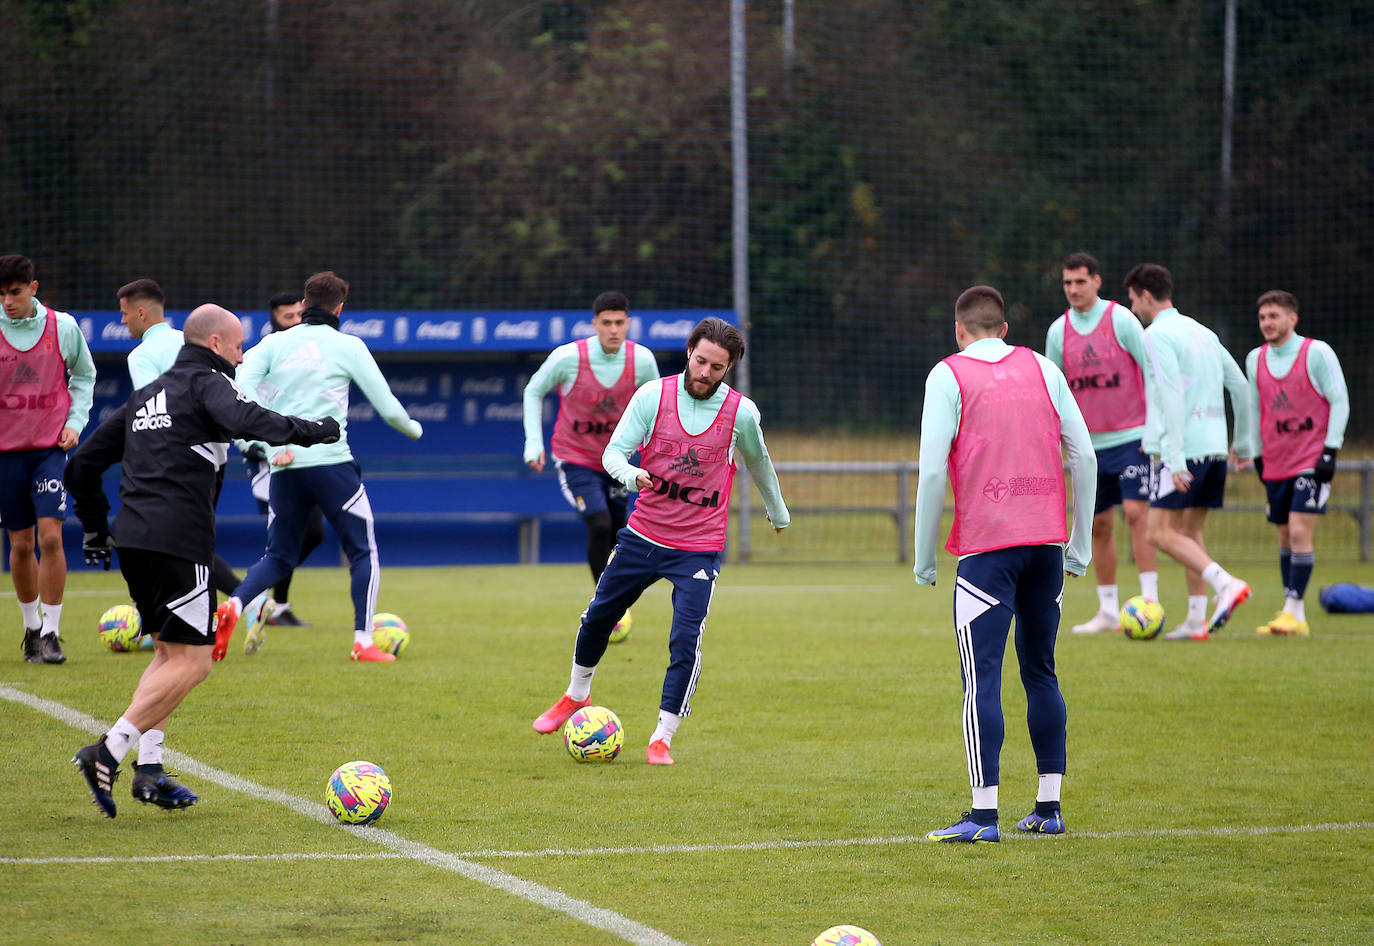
(462, 374)
(420, 332)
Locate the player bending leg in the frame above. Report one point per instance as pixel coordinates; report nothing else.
(311, 367)
(1298, 391)
(172, 439)
(1187, 370)
(1009, 533)
(688, 429)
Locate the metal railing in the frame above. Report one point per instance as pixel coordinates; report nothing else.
(904, 499)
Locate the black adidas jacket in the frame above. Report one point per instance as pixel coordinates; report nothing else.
(172, 437)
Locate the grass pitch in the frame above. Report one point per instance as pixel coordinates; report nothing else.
(1216, 793)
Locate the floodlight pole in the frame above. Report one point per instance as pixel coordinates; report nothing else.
(739, 159)
(1228, 111)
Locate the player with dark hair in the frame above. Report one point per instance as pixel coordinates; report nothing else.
(595, 378)
(283, 312)
(1186, 371)
(46, 392)
(172, 439)
(311, 367)
(141, 308)
(688, 428)
(1298, 392)
(1100, 347)
(994, 420)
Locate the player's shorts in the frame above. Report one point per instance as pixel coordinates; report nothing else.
(1206, 492)
(1123, 472)
(1301, 493)
(173, 595)
(592, 491)
(31, 487)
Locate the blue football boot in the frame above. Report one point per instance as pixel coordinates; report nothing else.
(966, 831)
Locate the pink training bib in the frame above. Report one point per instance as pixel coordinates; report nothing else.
(1293, 418)
(688, 507)
(1105, 380)
(588, 413)
(1005, 464)
(33, 391)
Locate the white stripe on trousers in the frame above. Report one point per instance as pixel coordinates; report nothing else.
(374, 579)
(973, 741)
(686, 708)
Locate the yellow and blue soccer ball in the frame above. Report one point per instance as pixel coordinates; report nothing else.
(358, 792)
(120, 628)
(846, 936)
(390, 633)
(1142, 620)
(593, 734)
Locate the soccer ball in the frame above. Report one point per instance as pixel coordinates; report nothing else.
(846, 936)
(120, 628)
(622, 628)
(593, 734)
(358, 792)
(1141, 619)
(390, 633)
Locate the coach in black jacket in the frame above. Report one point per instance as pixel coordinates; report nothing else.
(172, 438)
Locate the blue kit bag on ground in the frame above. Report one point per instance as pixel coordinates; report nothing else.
(1347, 598)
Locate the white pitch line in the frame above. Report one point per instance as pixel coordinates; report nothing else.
(597, 917)
(1232, 831)
(781, 845)
(178, 858)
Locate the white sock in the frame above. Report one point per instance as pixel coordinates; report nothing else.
(1108, 601)
(150, 747)
(1197, 609)
(580, 682)
(364, 638)
(33, 617)
(985, 797)
(1149, 585)
(1294, 607)
(121, 738)
(238, 605)
(667, 727)
(52, 618)
(1050, 783)
(1217, 577)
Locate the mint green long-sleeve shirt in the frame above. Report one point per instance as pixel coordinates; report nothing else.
(940, 425)
(155, 353)
(1186, 371)
(1324, 370)
(23, 334)
(746, 440)
(1129, 335)
(306, 372)
(560, 370)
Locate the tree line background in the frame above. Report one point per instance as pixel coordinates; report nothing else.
(493, 154)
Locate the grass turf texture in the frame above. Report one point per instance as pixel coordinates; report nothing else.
(828, 713)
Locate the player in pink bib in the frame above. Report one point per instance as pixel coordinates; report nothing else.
(688, 428)
(47, 379)
(595, 378)
(993, 423)
(1100, 347)
(1298, 391)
